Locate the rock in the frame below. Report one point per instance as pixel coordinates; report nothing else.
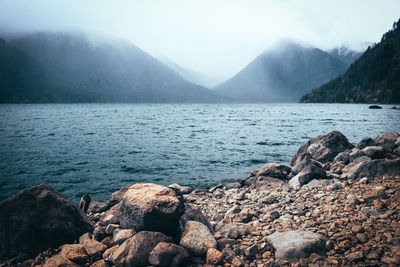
(111, 216)
(373, 168)
(97, 207)
(390, 260)
(186, 190)
(294, 182)
(396, 151)
(59, 261)
(313, 184)
(365, 142)
(120, 235)
(75, 253)
(293, 245)
(151, 207)
(85, 237)
(233, 230)
(117, 196)
(251, 251)
(275, 170)
(194, 214)
(323, 148)
(36, 219)
(355, 256)
(387, 140)
(374, 152)
(168, 254)
(111, 228)
(397, 143)
(94, 248)
(99, 233)
(309, 173)
(369, 211)
(107, 255)
(214, 256)
(375, 107)
(233, 186)
(223, 242)
(270, 199)
(99, 263)
(85, 202)
(135, 251)
(197, 238)
(337, 167)
(376, 193)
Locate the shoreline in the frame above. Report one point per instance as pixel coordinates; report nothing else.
(335, 204)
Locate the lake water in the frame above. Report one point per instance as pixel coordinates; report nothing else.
(98, 148)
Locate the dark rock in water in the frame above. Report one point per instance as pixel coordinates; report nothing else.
(85, 202)
(151, 207)
(135, 251)
(375, 107)
(294, 245)
(36, 219)
(373, 168)
(365, 142)
(168, 254)
(275, 170)
(387, 140)
(323, 148)
(194, 214)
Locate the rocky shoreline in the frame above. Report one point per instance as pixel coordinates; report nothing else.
(335, 204)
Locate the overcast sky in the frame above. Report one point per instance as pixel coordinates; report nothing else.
(213, 37)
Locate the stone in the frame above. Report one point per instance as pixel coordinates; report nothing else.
(99, 233)
(309, 173)
(194, 214)
(251, 251)
(233, 230)
(75, 253)
(111, 228)
(85, 237)
(135, 250)
(355, 256)
(94, 248)
(313, 184)
(97, 207)
(374, 152)
(59, 261)
(151, 207)
(323, 148)
(234, 185)
(337, 167)
(369, 211)
(387, 140)
(117, 196)
(36, 219)
(197, 238)
(99, 263)
(294, 182)
(376, 193)
(168, 254)
(111, 216)
(373, 168)
(223, 242)
(293, 245)
(214, 256)
(365, 142)
(120, 235)
(107, 255)
(270, 199)
(275, 170)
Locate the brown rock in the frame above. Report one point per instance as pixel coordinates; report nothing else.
(168, 254)
(94, 248)
(120, 235)
(197, 238)
(275, 170)
(75, 253)
(107, 255)
(390, 260)
(135, 250)
(36, 219)
(100, 263)
(111, 216)
(214, 256)
(59, 261)
(387, 140)
(194, 214)
(355, 256)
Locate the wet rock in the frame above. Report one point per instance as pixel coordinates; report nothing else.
(214, 256)
(293, 245)
(168, 254)
(373, 168)
(59, 261)
(275, 170)
(194, 214)
(323, 148)
(75, 253)
(387, 140)
(197, 238)
(120, 235)
(36, 219)
(151, 207)
(135, 251)
(375, 107)
(355, 256)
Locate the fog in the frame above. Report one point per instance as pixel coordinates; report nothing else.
(215, 38)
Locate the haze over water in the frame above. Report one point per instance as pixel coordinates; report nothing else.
(98, 148)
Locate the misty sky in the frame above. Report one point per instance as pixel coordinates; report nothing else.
(216, 38)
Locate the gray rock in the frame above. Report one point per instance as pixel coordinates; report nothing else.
(309, 173)
(194, 214)
(323, 148)
(387, 140)
(233, 186)
(373, 168)
(197, 238)
(168, 254)
(120, 235)
(233, 230)
(365, 142)
(369, 211)
(374, 152)
(294, 245)
(135, 251)
(313, 183)
(294, 182)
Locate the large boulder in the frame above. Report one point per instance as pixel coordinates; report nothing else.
(294, 245)
(135, 251)
(197, 238)
(387, 140)
(275, 170)
(168, 254)
(151, 207)
(36, 219)
(372, 168)
(322, 148)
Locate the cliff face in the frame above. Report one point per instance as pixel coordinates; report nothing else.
(373, 78)
(72, 67)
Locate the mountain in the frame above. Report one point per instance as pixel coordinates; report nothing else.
(373, 78)
(282, 74)
(190, 75)
(345, 54)
(73, 67)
